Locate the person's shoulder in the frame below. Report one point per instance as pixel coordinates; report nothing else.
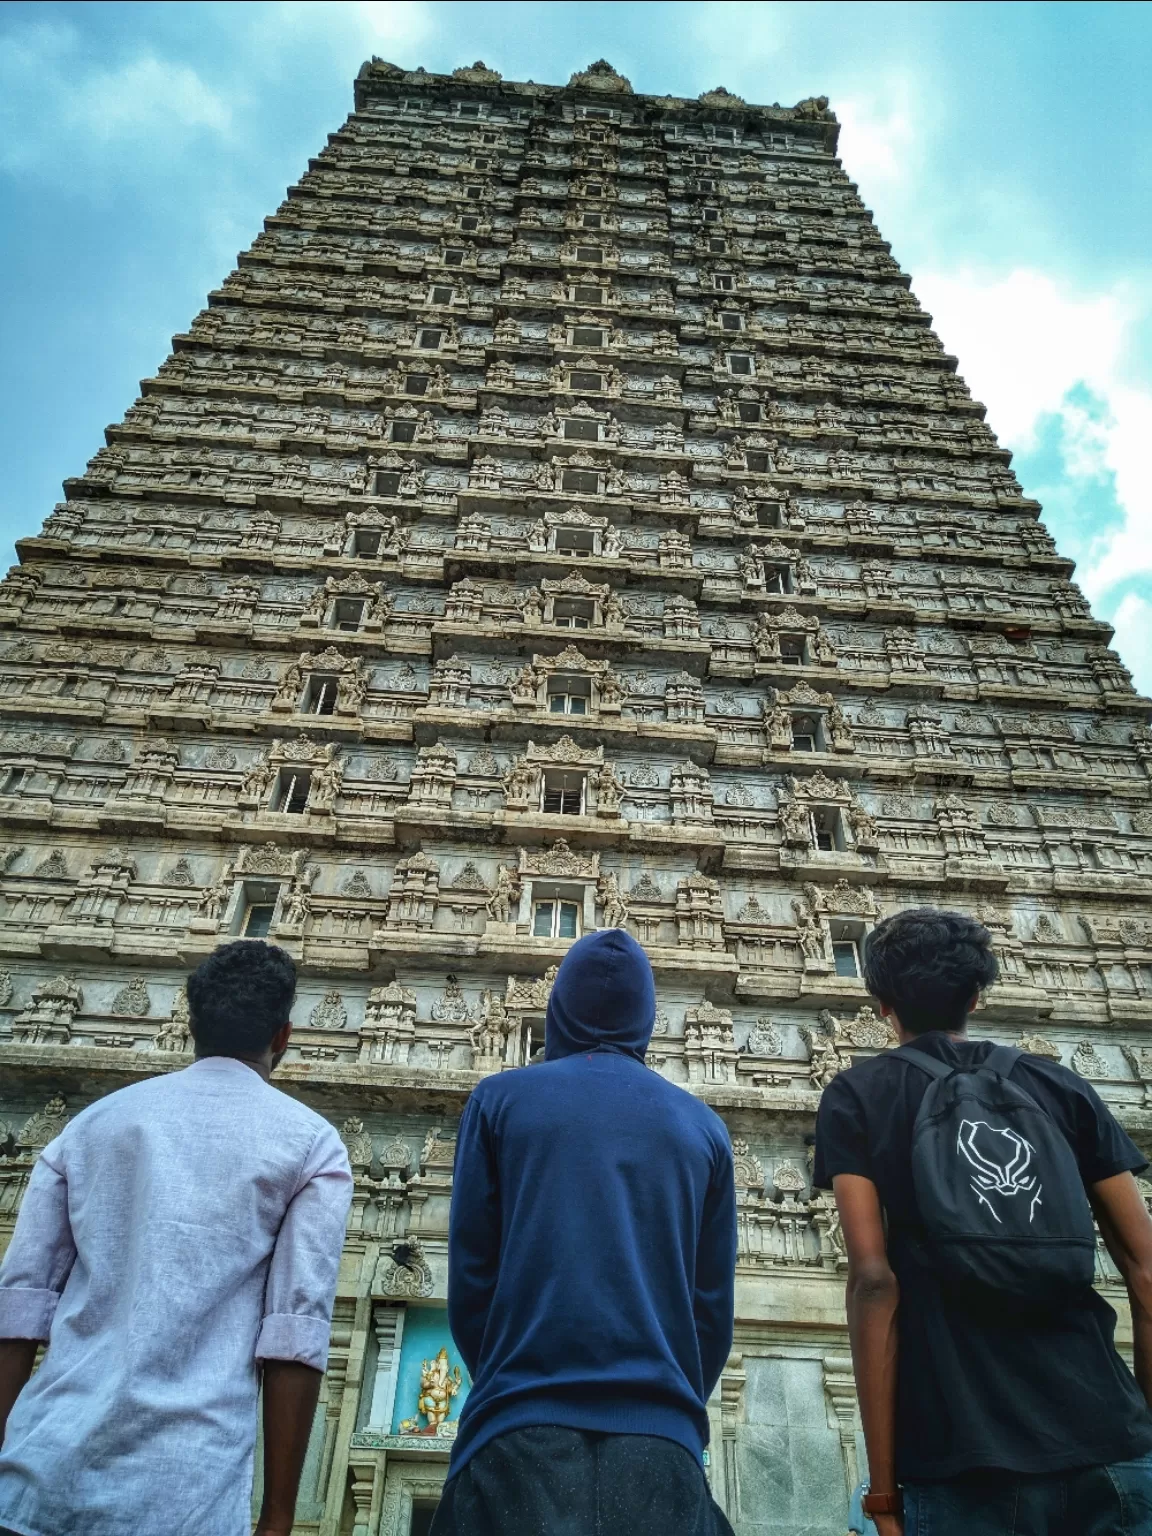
(303, 1115)
(1055, 1076)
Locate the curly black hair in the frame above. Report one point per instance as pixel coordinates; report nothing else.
(240, 997)
(928, 965)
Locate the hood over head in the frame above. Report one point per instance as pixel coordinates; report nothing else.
(603, 997)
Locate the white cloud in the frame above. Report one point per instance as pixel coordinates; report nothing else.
(347, 26)
(1029, 346)
(880, 136)
(60, 108)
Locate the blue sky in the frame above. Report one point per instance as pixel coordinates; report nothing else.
(1004, 149)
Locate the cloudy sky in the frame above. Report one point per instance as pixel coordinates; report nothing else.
(1003, 148)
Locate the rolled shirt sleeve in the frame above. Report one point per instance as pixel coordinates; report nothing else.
(41, 1253)
(305, 1263)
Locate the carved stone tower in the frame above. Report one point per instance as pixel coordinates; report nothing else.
(564, 516)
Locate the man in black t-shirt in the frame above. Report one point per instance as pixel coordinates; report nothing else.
(993, 1417)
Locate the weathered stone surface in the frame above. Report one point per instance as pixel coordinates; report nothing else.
(564, 516)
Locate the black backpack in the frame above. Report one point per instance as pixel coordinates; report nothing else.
(1003, 1209)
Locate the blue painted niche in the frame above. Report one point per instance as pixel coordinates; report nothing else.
(425, 1332)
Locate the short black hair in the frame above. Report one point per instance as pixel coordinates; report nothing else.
(928, 965)
(240, 997)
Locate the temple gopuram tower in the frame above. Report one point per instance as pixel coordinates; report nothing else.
(563, 517)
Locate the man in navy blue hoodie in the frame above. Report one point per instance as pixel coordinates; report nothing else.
(591, 1262)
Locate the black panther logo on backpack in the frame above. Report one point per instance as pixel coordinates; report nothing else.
(1000, 1169)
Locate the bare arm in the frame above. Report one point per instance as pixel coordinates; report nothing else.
(291, 1392)
(872, 1297)
(17, 1357)
(1126, 1229)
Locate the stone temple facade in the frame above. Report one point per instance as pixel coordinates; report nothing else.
(564, 516)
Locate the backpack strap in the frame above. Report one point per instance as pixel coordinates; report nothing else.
(1001, 1059)
(921, 1059)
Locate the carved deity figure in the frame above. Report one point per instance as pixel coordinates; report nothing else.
(213, 899)
(612, 902)
(499, 905)
(491, 1029)
(439, 1384)
(825, 1057)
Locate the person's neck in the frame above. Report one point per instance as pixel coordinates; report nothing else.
(908, 1038)
(261, 1065)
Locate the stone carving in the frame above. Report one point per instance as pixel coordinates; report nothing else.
(612, 903)
(48, 1016)
(764, 1039)
(825, 1056)
(133, 1000)
(404, 1271)
(41, 1128)
(329, 1012)
(1087, 1060)
(357, 1143)
(335, 536)
(748, 1168)
(1037, 1045)
(175, 1033)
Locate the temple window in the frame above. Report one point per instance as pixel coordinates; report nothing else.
(320, 694)
(290, 796)
(347, 613)
(555, 919)
(847, 939)
(569, 696)
(572, 613)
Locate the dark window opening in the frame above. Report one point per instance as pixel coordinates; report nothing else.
(739, 362)
(749, 410)
(259, 911)
(825, 826)
(569, 696)
(717, 243)
(441, 295)
(430, 338)
(481, 162)
(579, 431)
(291, 795)
(587, 336)
(577, 543)
(320, 696)
(453, 258)
(347, 613)
(474, 194)
(469, 221)
(731, 321)
(711, 215)
(562, 794)
(768, 515)
(469, 109)
(591, 253)
(592, 221)
(572, 613)
(757, 463)
(591, 383)
(387, 482)
(416, 384)
(792, 650)
(846, 939)
(421, 1523)
(585, 293)
(584, 481)
(366, 544)
(805, 733)
(724, 282)
(403, 431)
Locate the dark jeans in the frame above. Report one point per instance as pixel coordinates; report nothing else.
(547, 1481)
(1091, 1501)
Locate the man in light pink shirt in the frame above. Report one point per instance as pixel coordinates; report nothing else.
(178, 1241)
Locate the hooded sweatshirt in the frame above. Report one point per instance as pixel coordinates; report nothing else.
(592, 1243)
